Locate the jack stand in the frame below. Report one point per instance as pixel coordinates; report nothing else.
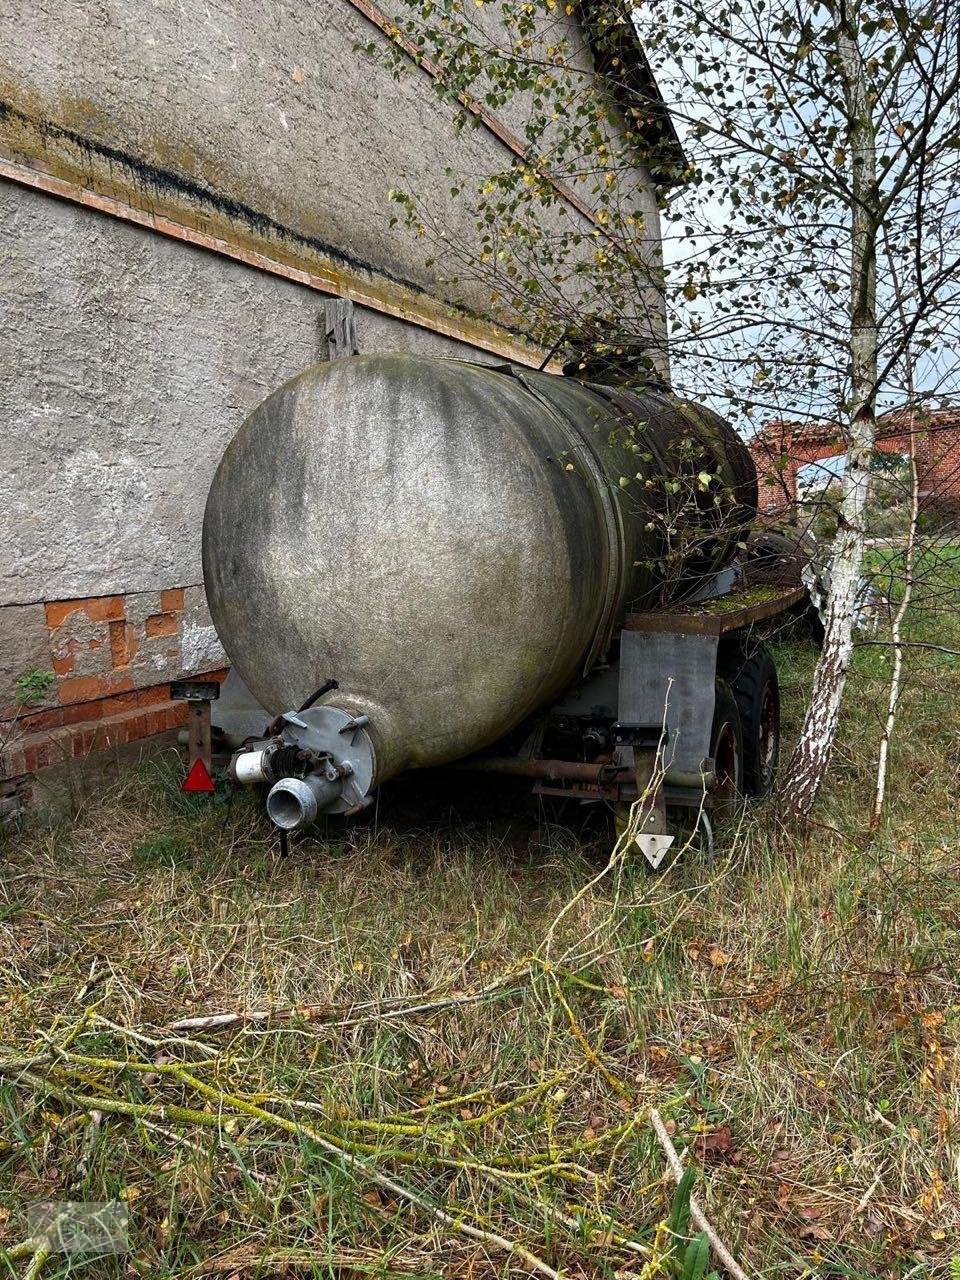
(198, 694)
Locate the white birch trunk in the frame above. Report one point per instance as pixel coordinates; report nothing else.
(896, 676)
(811, 758)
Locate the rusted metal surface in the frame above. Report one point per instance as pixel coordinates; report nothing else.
(548, 770)
(199, 694)
(727, 614)
(198, 734)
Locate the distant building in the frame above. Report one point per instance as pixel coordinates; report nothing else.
(781, 449)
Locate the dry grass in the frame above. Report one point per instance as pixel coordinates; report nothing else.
(792, 1007)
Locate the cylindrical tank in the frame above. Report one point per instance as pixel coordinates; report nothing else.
(453, 543)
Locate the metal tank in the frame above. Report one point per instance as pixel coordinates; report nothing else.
(451, 544)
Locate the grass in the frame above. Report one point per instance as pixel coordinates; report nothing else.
(790, 1008)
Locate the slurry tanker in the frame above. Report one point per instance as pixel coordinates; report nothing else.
(416, 562)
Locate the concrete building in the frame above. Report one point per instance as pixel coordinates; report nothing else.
(184, 191)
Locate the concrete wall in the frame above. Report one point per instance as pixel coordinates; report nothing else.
(243, 112)
(128, 362)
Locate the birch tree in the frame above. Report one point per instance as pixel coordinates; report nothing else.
(814, 134)
(812, 755)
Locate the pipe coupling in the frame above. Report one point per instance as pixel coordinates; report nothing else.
(295, 802)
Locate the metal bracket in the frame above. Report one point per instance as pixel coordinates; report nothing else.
(194, 690)
(199, 694)
(340, 328)
(649, 736)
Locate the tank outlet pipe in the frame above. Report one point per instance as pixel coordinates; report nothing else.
(252, 766)
(295, 802)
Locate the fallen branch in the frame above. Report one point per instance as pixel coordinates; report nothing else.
(317, 1013)
(724, 1256)
(906, 644)
(348, 1158)
(264, 1260)
(38, 1261)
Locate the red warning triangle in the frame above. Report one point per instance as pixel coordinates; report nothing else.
(198, 779)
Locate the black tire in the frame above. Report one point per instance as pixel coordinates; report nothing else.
(756, 689)
(726, 748)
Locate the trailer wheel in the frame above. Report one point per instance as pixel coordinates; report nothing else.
(726, 748)
(757, 691)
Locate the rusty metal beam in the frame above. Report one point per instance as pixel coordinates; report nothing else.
(717, 621)
(548, 770)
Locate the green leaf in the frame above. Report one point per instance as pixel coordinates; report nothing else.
(696, 1258)
(679, 1219)
(32, 686)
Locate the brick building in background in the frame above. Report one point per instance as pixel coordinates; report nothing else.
(181, 188)
(781, 449)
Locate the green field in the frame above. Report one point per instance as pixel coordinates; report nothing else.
(472, 1018)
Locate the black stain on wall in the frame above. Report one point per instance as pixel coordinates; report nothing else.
(165, 182)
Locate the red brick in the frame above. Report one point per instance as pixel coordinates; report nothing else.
(118, 705)
(166, 227)
(80, 689)
(104, 608)
(162, 624)
(86, 688)
(155, 694)
(172, 598)
(40, 720)
(83, 742)
(97, 609)
(132, 729)
(62, 666)
(176, 716)
(58, 612)
(38, 756)
(123, 643)
(79, 712)
(154, 722)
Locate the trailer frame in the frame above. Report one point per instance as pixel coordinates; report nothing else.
(635, 764)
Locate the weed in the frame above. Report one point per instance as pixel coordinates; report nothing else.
(33, 686)
(483, 1012)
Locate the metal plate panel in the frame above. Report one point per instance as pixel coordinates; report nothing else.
(668, 678)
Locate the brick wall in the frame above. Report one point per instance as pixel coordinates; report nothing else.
(112, 659)
(782, 448)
